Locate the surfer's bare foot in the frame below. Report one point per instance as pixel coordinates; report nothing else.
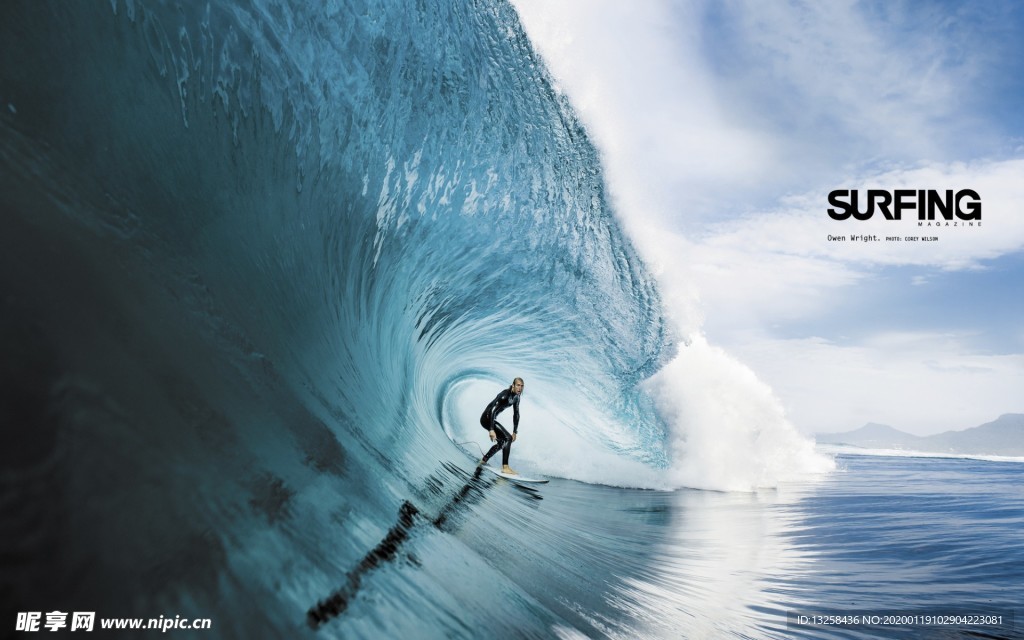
(507, 469)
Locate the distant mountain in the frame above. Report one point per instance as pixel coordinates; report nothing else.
(873, 436)
(1002, 437)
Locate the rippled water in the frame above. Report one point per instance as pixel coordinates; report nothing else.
(885, 537)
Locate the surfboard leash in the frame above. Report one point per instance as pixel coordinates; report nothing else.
(475, 443)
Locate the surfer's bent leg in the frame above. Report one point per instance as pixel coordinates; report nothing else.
(504, 443)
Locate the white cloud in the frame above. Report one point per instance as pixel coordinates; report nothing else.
(922, 383)
(889, 79)
(636, 76)
(781, 266)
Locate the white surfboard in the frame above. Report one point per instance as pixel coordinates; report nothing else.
(515, 477)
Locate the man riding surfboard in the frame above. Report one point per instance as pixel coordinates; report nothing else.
(500, 436)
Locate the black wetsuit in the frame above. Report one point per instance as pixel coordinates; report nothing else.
(503, 401)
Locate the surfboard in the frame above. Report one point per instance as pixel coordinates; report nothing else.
(517, 477)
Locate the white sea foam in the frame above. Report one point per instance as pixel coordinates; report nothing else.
(728, 431)
(832, 449)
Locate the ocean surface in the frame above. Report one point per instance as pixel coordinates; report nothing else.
(262, 264)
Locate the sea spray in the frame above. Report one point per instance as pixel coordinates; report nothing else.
(728, 431)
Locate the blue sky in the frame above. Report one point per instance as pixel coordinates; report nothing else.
(723, 125)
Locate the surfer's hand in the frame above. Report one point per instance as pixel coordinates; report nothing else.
(494, 438)
(513, 437)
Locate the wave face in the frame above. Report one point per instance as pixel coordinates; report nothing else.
(263, 262)
(381, 204)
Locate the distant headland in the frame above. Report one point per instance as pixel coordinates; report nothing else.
(1001, 437)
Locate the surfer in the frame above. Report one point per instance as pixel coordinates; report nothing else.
(500, 436)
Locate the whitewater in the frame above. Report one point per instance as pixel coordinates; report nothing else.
(262, 266)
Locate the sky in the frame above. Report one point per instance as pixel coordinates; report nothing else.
(723, 126)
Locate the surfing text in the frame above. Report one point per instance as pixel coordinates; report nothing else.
(964, 204)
